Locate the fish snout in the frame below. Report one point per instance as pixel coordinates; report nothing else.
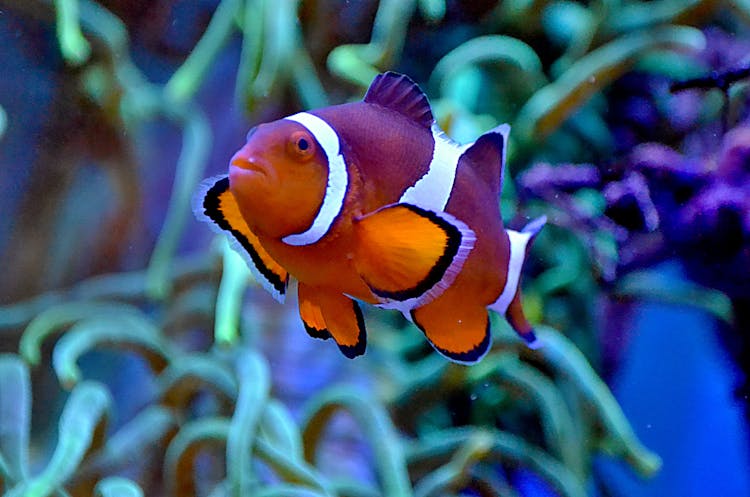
(241, 164)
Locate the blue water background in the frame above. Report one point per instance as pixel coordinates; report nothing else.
(676, 385)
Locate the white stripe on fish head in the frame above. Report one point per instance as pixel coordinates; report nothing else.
(338, 179)
(433, 190)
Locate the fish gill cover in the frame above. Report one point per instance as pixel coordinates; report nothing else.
(141, 359)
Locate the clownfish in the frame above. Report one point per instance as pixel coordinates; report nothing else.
(370, 201)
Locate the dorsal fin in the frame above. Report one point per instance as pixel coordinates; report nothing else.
(487, 156)
(399, 93)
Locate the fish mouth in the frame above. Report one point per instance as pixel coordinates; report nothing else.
(240, 166)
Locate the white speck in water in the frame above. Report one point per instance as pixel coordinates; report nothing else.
(592, 79)
(473, 396)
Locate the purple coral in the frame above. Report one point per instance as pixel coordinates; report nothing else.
(700, 205)
(704, 206)
(734, 158)
(631, 197)
(717, 249)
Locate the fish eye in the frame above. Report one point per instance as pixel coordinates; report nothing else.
(301, 145)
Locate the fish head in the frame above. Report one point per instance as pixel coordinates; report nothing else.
(279, 178)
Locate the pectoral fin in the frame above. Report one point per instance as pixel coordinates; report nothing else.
(406, 253)
(312, 316)
(215, 204)
(327, 315)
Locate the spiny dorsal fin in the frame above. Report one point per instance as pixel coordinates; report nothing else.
(487, 156)
(399, 93)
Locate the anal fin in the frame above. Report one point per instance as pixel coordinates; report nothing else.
(406, 253)
(455, 326)
(333, 315)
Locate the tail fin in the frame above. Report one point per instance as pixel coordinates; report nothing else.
(509, 302)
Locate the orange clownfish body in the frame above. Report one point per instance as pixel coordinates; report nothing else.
(371, 201)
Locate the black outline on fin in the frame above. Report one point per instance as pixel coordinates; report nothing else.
(467, 358)
(349, 351)
(436, 273)
(352, 351)
(209, 207)
(320, 334)
(323, 334)
(530, 338)
(401, 94)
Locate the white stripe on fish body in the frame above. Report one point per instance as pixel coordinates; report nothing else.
(338, 180)
(518, 242)
(433, 190)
